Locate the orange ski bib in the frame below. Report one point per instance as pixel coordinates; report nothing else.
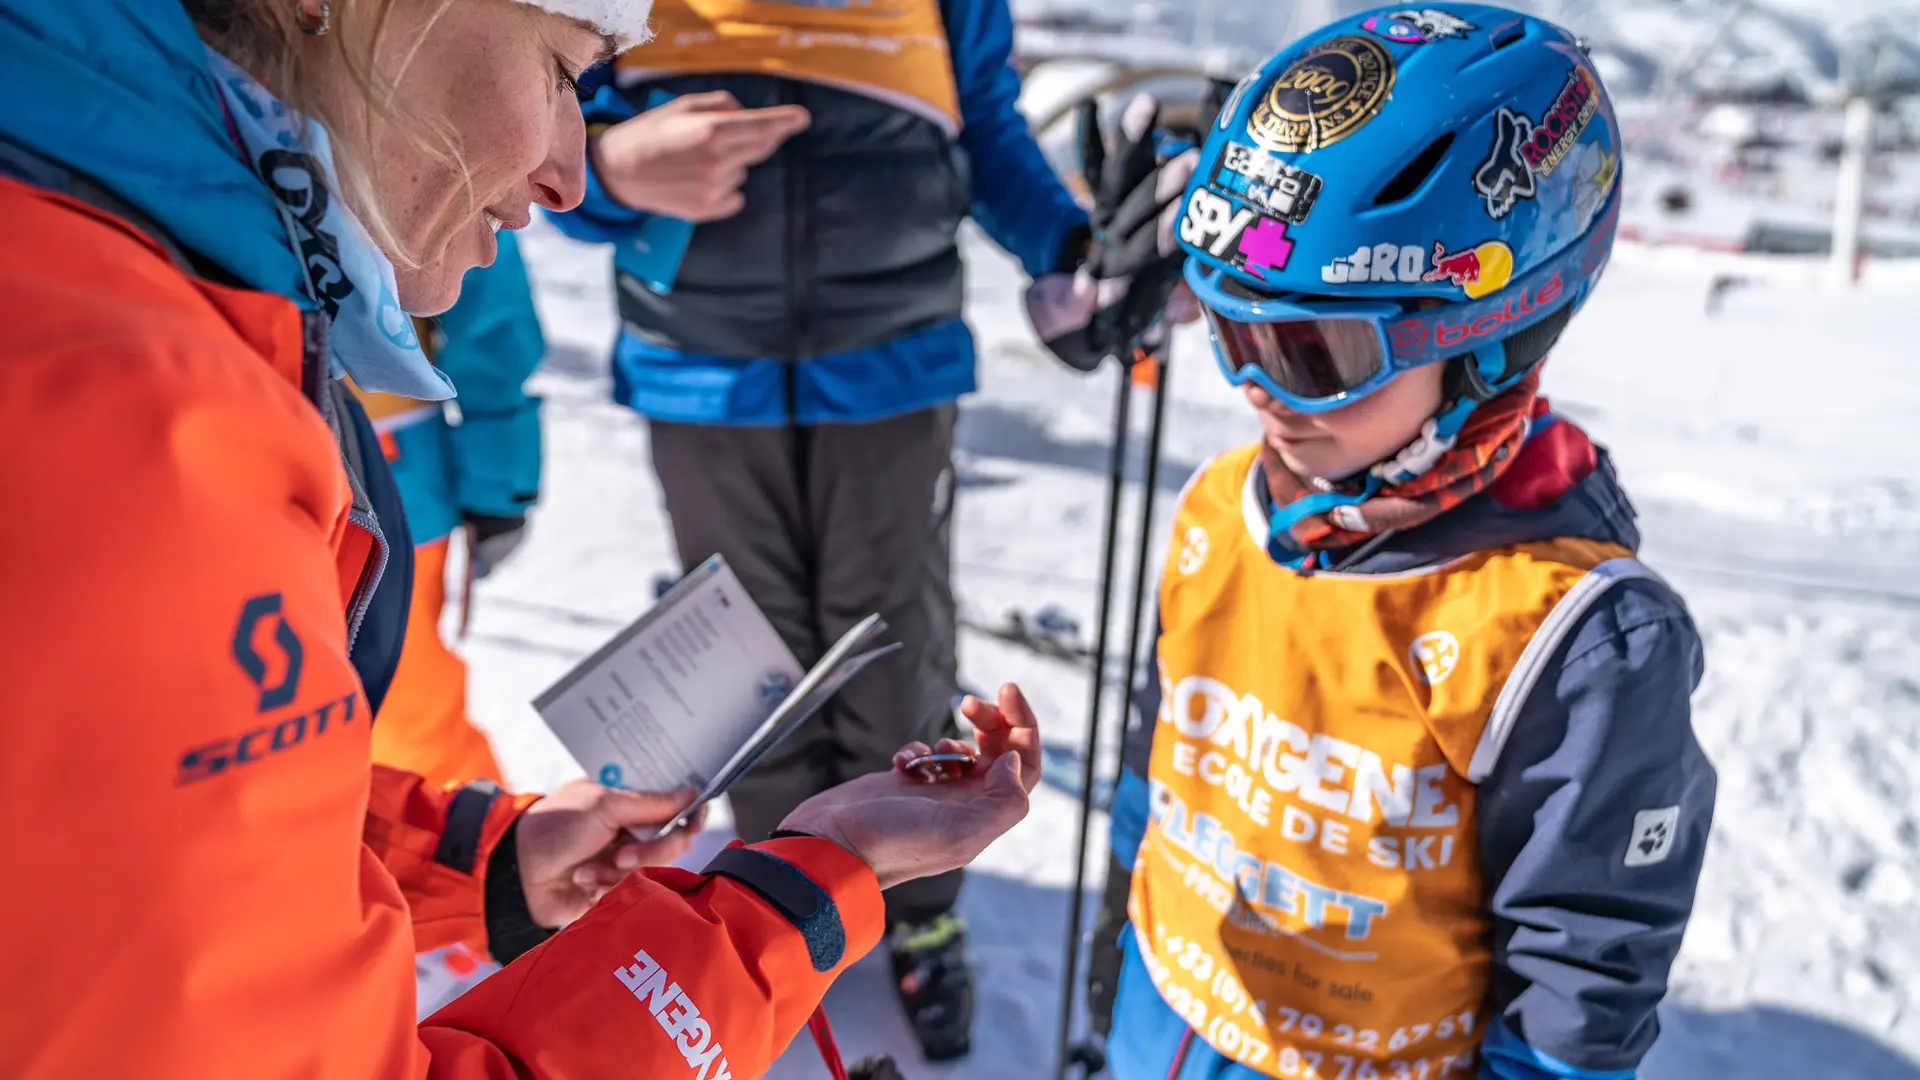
(1309, 894)
(893, 50)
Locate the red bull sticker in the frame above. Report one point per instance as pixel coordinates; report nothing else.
(1481, 270)
(1417, 26)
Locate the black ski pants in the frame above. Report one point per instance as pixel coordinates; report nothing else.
(825, 525)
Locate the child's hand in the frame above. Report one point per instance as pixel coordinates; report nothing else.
(1007, 727)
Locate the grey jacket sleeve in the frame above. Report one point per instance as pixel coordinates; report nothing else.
(1593, 828)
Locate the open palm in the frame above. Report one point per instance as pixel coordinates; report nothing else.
(905, 827)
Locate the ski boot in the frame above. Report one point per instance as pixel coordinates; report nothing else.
(935, 982)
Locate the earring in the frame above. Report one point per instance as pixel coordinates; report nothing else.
(314, 25)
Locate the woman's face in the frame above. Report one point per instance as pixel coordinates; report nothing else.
(499, 75)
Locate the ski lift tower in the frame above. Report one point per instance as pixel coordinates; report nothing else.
(1867, 80)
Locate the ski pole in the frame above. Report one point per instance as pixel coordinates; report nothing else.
(1091, 1059)
(1148, 495)
(1116, 482)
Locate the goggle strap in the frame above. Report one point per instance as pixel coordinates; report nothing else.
(1448, 424)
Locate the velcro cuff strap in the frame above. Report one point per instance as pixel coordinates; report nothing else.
(466, 817)
(791, 893)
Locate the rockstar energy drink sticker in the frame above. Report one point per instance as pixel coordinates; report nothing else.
(1327, 95)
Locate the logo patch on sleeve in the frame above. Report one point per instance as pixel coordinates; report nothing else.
(1653, 832)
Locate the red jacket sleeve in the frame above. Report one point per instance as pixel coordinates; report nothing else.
(207, 877)
(671, 971)
(407, 827)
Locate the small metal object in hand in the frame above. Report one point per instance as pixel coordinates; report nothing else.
(937, 768)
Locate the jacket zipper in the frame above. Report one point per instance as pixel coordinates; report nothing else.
(370, 575)
(360, 509)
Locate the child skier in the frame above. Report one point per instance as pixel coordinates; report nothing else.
(1423, 793)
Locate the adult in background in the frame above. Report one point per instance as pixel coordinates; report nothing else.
(216, 210)
(801, 373)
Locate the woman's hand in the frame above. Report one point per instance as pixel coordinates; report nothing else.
(906, 828)
(688, 157)
(574, 845)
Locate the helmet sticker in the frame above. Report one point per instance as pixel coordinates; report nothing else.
(1330, 92)
(1481, 270)
(1389, 263)
(1256, 177)
(1417, 26)
(1424, 334)
(1594, 174)
(1526, 151)
(1247, 239)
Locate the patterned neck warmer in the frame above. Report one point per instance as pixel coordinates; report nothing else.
(1422, 482)
(347, 276)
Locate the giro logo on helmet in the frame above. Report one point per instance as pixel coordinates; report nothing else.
(1330, 92)
(1410, 26)
(1389, 263)
(1413, 336)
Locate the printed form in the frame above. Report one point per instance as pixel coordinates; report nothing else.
(696, 691)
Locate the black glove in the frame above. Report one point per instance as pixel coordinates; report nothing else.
(494, 537)
(1133, 264)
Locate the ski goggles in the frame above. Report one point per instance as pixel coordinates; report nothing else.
(1315, 355)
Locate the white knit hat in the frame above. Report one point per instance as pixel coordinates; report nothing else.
(624, 20)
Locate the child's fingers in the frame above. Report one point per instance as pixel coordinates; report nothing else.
(975, 710)
(1022, 732)
(909, 752)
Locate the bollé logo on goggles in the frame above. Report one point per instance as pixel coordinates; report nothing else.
(1414, 336)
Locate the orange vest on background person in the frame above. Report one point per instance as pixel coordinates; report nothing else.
(190, 739)
(1309, 896)
(892, 50)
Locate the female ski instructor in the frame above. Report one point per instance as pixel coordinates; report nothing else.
(206, 584)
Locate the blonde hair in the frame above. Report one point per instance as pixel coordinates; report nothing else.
(264, 37)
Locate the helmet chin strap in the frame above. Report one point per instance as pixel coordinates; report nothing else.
(1486, 378)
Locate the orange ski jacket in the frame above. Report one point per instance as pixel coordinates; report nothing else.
(207, 877)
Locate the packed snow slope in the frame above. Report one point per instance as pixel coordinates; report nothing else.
(1770, 451)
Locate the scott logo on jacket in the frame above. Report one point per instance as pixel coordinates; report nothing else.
(677, 1015)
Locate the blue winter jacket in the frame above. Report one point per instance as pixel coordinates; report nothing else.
(489, 463)
(858, 151)
(1577, 968)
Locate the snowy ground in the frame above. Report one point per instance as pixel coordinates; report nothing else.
(1769, 450)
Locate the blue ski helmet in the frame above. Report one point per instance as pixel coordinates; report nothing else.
(1441, 181)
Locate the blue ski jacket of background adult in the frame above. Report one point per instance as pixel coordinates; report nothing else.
(910, 350)
(488, 343)
(1577, 970)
